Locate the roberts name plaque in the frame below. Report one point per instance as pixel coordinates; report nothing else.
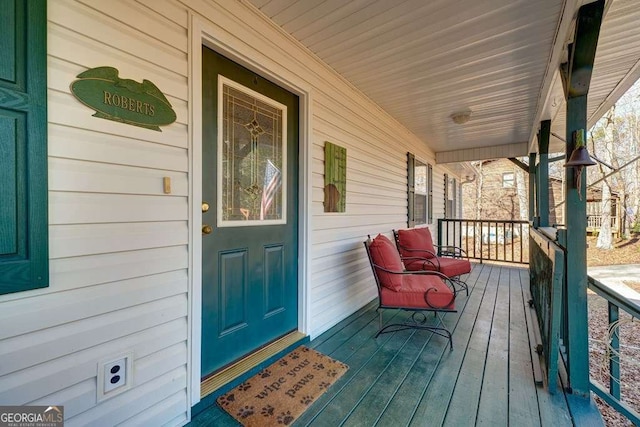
(123, 100)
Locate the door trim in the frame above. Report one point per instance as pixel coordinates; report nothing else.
(202, 32)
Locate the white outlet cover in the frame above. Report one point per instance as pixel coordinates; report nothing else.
(113, 383)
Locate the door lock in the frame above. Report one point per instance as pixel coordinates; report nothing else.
(205, 207)
(207, 229)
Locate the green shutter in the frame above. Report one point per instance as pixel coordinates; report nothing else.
(23, 145)
(446, 195)
(430, 194)
(411, 189)
(454, 204)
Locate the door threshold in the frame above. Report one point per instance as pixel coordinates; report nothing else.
(231, 372)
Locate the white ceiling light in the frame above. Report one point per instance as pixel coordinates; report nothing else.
(461, 117)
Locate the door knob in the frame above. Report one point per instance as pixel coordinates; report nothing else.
(207, 229)
(205, 206)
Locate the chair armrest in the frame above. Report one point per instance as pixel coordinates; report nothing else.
(444, 278)
(447, 280)
(435, 264)
(452, 251)
(404, 248)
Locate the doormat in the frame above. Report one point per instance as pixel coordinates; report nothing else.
(279, 394)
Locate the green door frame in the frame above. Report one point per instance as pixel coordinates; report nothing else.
(204, 33)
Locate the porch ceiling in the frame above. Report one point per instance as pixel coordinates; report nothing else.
(615, 70)
(423, 61)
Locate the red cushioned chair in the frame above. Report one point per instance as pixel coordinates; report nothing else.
(414, 291)
(419, 253)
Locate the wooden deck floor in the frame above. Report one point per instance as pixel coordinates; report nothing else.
(410, 378)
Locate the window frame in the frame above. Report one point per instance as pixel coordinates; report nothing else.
(412, 194)
(512, 180)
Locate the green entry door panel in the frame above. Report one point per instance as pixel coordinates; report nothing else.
(250, 202)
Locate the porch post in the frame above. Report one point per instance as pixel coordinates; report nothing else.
(536, 216)
(543, 172)
(576, 78)
(532, 186)
(576, 258)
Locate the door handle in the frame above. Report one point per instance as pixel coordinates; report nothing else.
(207, 229)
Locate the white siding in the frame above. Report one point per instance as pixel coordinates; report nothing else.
(119, 246)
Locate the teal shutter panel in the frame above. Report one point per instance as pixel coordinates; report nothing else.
(23, 145)
(430, 194)
(411, 189)
(446, 196)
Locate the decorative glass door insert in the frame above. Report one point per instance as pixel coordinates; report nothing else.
(252, 159)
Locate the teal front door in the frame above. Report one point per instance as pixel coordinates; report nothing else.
(250, 208)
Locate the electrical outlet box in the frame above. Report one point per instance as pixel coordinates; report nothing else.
(115, 375)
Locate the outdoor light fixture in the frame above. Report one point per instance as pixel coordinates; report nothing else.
(461, 117)
(579, 157)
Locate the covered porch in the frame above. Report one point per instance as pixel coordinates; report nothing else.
(444, 82)
(411, 378)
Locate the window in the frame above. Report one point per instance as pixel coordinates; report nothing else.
(420, 191)
(23, 144)
(508, 180)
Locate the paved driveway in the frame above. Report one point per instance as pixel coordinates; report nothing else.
(614, 277)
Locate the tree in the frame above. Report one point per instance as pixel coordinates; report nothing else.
(521, 190)
(607, 134)
(615, 140)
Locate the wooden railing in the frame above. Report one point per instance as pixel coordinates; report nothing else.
(548, 291)
(547, 275)
(487, 240)
(594, 222)
(611, 393)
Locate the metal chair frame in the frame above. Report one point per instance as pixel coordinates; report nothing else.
(414, 322)
(451, 252)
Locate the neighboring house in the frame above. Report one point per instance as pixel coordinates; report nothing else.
(499, 197)
(594, 211)
(499, 193)
(183, 227)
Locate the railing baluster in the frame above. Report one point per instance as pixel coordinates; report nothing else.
(504, 240)
(521, 240)
(489, 240)
(513, 243)
(451, 232)
(615, 302)
(614, 358)
(466, 237)
(498, 242)
(475, 236)
(453, 224)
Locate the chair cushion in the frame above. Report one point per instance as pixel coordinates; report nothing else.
(452, 267)
(416, 239)
(385, 254)
(413, 293)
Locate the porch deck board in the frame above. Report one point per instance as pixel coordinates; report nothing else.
(494, 396)
(410, 378)
(523, 402)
